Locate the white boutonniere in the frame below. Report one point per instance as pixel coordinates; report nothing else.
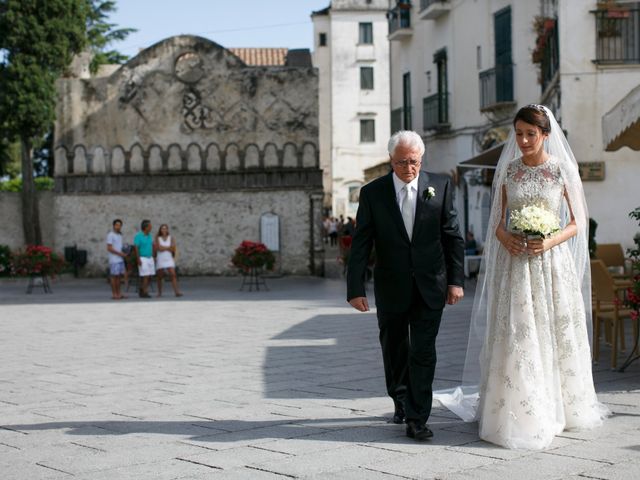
(429, 193)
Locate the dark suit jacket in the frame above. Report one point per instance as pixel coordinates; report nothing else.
(434, 257)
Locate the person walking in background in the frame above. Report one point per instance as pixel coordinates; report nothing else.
(349, 227)
(408, 215)
(165, 247)
(143, 244)
(333, 231)
(117, 266)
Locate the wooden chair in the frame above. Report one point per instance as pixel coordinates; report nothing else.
(608, 308)
(612, 255)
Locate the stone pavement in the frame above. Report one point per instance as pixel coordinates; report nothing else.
(227, 384)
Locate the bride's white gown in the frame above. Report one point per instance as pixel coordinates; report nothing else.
(536, 361)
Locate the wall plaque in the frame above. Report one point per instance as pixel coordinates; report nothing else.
(591, 171)
(270, 231)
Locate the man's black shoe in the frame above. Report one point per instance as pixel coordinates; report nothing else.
(418, 431)
(398, 415)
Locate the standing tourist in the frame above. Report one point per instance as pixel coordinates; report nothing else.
(143, 244)
(165, 246)
(117, 267)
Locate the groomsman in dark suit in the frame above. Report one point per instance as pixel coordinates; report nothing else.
(408, 216)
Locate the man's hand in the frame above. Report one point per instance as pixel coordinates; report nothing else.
(454, 294)
(360, 303)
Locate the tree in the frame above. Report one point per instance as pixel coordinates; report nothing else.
(101, 34)
(38, 39)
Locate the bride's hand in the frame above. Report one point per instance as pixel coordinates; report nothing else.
(515, 244)
(539, 245)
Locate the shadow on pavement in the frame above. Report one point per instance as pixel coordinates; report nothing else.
(329, 429)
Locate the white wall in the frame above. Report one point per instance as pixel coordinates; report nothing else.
(322, 61)
(588, 92)
(467, 26)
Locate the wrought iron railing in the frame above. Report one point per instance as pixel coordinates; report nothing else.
(435, 111)
(399, 17)
(424, 4)
(496, 86)
(618, 34)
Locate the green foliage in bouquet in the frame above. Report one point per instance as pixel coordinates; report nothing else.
(37, 260)
(250, 255)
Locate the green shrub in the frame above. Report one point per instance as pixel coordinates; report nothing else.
(15, 184)
(5, 261)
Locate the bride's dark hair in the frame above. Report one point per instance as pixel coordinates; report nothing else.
(534, 115)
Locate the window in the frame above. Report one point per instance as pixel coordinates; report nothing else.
(406, 101)
(366, 33)
(322, 40)
(366, 78)
(367, 130)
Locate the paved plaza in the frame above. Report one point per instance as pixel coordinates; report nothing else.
(222, 383)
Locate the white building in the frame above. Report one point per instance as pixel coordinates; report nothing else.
(599, 67)
(351, 52)
(460, 69)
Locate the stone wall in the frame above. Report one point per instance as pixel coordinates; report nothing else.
(187, 134)
(205, 228)
(11, 232)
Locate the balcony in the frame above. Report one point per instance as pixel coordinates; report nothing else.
(618, 35)
(496, 88)
(433, 9)
(400, 21)
(435, 112)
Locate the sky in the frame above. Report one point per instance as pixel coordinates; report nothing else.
(231, 23)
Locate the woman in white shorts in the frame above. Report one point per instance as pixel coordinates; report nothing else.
(165, 247)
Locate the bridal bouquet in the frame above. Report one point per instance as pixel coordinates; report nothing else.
(534, 220)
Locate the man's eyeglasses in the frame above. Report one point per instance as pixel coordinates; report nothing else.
(404, 163)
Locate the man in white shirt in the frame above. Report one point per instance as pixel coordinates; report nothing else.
(117, 265)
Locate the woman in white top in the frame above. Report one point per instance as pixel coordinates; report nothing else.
(165, 246)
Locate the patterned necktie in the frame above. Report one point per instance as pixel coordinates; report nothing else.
(407, 210)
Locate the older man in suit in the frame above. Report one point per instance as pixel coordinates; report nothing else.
(408, 216)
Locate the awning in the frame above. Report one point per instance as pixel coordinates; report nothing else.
(621, 124)
(487, 159)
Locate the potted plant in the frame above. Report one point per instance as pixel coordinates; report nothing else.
(544, 27)
(252, 255)
(37, 261)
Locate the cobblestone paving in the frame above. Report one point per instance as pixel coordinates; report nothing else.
(227, 384)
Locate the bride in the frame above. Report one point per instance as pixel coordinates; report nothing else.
(527, 373)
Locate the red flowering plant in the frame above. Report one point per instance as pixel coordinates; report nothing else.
(250, 255)
(37, 260)
(633, 292)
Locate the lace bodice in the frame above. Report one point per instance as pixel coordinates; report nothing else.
(540, 185)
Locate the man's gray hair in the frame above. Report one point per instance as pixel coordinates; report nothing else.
(407, 138)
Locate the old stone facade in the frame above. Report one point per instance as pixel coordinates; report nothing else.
(188, 134)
